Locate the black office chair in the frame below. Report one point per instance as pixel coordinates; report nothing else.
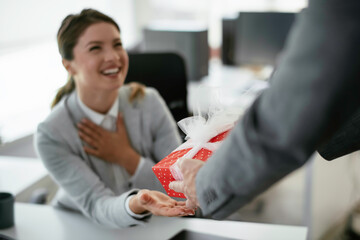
(165, 72)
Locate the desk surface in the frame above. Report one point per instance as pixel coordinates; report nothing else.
(229, 86)
(17, 174)
(46, 222)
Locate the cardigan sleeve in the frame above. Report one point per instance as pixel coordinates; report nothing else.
(81, 184)
(164, 136)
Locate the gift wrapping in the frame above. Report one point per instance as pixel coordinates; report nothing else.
(162, 169)
(203, 138)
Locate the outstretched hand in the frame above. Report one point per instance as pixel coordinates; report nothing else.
(110, 146)
(158, 204)
(189, 168)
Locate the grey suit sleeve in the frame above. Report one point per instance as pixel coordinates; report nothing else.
(345, 141)
(162, 128)
(80, 183)
(313, 92)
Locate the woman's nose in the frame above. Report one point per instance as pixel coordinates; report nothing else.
(111, 55)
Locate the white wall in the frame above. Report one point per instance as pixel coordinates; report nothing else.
(25, 22)
(30, 65)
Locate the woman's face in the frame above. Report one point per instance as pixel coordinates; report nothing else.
(100, 62)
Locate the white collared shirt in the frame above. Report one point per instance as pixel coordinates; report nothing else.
(100, 119)
(108, 122)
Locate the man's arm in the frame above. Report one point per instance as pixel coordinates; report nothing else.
(314, 91)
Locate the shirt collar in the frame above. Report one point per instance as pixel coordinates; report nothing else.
(96, 117)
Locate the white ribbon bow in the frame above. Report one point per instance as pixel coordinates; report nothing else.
(200, 131)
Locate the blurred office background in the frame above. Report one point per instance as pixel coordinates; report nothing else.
(31, 69)
(223, 43)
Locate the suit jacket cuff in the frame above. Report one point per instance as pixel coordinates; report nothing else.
(209, 195)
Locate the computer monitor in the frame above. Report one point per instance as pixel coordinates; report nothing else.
(260, 36)
(189, 39)
(228, 39)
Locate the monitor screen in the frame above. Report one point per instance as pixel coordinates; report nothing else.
(260, 36)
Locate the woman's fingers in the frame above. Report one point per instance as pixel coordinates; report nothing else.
(89, 126)
(89, 140)
(160, 204)
(91, 151)
(145, 198)
(87, 132)
(175, 211)
(90, 133)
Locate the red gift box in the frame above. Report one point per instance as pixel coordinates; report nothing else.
(162, 168)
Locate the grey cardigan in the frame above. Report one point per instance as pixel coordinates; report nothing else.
(92, 185)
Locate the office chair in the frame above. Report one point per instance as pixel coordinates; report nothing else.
(166, 73)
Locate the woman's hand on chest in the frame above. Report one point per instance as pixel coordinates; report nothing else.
(113, 147)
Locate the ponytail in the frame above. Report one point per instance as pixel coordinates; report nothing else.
(64, 90)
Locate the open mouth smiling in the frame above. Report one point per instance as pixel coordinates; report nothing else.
(111, 71)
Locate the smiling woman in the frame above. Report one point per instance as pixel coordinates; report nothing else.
(101, 140)
(88, 51)
(99, 66)
(30, 72)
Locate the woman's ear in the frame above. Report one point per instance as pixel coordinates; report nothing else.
(68, 66)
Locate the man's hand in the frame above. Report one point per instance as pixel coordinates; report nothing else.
(113, 147)
(189, 168)
(158, 204)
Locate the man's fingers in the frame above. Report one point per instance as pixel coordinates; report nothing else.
(190, 204)
(188, 163)
(180, 162)
(182, 204)
(177, 186)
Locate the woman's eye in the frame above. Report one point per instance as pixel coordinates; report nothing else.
(94, 48)
(119, 44)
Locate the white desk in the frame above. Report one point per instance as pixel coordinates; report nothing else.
(45, 222)
(19, 174)
(229, 86)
